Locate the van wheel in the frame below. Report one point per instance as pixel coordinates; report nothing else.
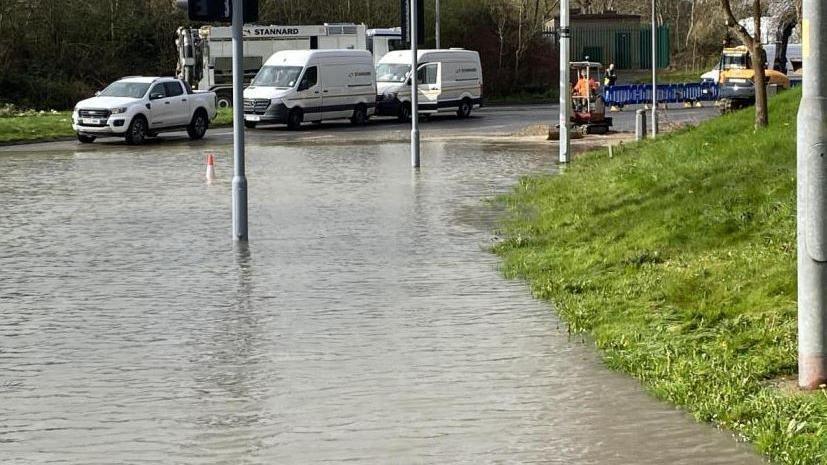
(360, 115)
(404, 112)
(294, 119)
(464, 110)
(250, 124)
(198, 126)
(136, 134)
(84, 139)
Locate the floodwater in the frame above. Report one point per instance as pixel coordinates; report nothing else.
(366, 322)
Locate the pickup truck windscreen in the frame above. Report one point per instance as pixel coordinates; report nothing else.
(125, 89)
(277, 76)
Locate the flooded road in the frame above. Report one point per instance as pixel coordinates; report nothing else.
(365, 323)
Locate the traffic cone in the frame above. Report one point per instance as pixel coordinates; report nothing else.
(210, 168)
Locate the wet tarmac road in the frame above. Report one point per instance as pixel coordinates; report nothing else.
(486, 123)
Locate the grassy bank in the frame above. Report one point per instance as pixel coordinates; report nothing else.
(35, 126)
(44, 126)
(678, 257)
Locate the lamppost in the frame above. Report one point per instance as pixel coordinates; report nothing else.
(565, 95)
(654, 73)
(812, 200)
(436, 26)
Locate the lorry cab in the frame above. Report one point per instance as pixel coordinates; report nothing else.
(449, 80)
(295, 86)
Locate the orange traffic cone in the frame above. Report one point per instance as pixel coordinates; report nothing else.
(210, 168)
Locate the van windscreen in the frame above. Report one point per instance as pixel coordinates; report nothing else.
(277, 76)
(392, 72)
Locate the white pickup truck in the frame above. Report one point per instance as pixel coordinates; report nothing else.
(141, 107)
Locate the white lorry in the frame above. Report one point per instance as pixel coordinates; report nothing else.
(205, 54)
(139, 107)
(312, 85)
(449, 80)
(384, 40)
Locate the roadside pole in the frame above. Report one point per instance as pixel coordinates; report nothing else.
(654, 72)
(565, 93)
(436, 18)
(414, 90)
(239, 178)
(811, 177)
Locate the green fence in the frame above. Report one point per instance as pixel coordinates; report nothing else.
(664, 47)
(627, 45)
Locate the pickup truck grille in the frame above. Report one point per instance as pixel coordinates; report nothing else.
(256, 106)
(101, 114)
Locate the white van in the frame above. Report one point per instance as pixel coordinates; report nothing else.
(449, 80)
(295, 86)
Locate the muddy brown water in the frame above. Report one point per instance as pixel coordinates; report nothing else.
(366, 322)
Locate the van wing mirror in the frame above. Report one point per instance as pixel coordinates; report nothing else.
(97, 94)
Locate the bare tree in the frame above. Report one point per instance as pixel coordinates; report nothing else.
(757, 52)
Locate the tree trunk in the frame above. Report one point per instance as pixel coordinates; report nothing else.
(782, 39)
(753, 43)
(761, 116)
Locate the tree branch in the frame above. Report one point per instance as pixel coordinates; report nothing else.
(733, 24)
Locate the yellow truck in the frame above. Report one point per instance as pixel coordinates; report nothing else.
(736, 82)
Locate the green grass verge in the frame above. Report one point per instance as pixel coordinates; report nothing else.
(224, 117)
(678, 257)
(50, 126)
(35, 127)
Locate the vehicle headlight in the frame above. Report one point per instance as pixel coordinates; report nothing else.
(738, 81)
(275, 101)
(115, 111)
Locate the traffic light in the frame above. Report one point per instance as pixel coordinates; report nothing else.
(217, 11)
(405, 20)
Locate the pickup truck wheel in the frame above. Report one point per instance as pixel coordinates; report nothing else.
(198, 126)
(136, 134)
(294, 119)
(360, 115)
(250, 124)
(86, 139)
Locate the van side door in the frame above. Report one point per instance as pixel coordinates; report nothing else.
(429, 86)
(337, 100)
(309, 95)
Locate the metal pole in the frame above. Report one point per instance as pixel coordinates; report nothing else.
(565, 92)
(239, 178)
(812, 200)
(414, 90)
(436, 16)
(654, 72)
(640, 124)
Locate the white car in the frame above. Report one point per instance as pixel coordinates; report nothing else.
(139, 107)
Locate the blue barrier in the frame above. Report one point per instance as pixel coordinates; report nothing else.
(636, 94)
